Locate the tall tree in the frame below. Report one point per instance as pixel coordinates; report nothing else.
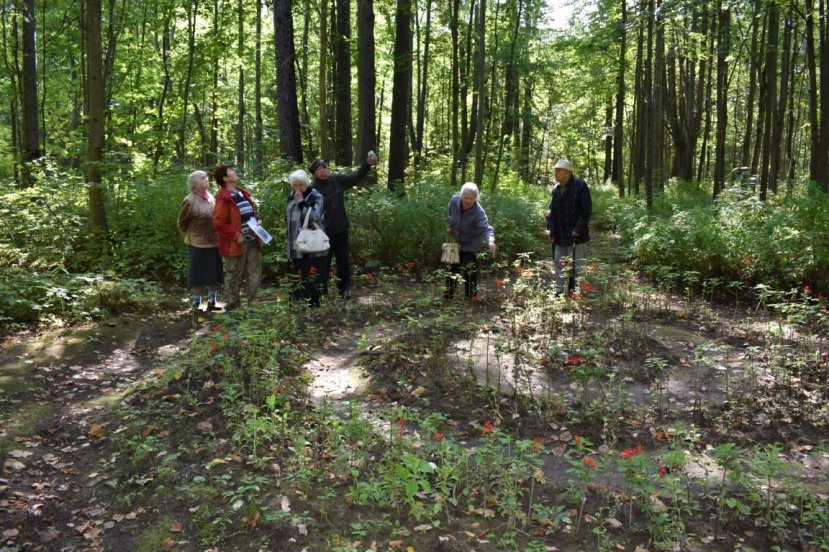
(366, 82)
(480, 86)
(95, 116)
(31, 121)
(241, 112)
(401, 95)
(423, 80)
(342, 48)
(290, 142)
(618, 171)
(323, 90)
(258, 152)
(723, 52)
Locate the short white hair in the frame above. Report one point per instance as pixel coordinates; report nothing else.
(299, 175)
(194, 177)
(470, 188)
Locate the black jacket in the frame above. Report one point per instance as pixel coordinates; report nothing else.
(332, 190)
(570, 209)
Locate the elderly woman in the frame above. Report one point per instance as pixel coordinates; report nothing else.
(240, 248)
(304, 200)
(468, 225)
(195, 223)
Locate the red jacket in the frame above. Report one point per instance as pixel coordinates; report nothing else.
(228, 222)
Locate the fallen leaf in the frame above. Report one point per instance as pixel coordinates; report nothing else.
(253, 519)
(168, 543)
(96, 431)
(10, 534)
(395, 544)
(417, 393)
(176, 527)
(205, 426)
(48, 535)
(285, 504)
(613, 523)
(118, 518)
(302, 528)
(14, 465)
(20, 453)
(171, 398)
(421, 528)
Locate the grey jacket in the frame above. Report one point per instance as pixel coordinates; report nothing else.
(470, 228)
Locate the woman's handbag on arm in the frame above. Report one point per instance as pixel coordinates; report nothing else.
(451, 253)
(311, 240)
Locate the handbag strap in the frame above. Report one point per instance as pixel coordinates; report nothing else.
(307, 214)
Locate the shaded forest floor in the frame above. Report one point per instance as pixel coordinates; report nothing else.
(111, 441)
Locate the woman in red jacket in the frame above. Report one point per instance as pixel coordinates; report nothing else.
(238, 245)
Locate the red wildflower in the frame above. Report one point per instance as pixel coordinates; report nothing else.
(213, 346)
(664, 470)
(520, 270)
(574, 359)
(476, 298)
(807, 290)
(589, 462)
(437, 436)
(313, 270)
(369, 275)
(499, 282)
(227, 336)
(537, 444)
(585, 287)
(402, 424)
(488, 427)
(630, 453)
(218, 328)
(579, 441)
(410, 265)
(820, 296)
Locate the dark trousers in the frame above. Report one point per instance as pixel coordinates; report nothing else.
(470, 270)
(312, 279)
(339, 249)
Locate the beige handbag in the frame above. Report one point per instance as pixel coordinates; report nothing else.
(451, 253)
(311, 240)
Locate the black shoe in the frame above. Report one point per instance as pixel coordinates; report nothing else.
(211, 307)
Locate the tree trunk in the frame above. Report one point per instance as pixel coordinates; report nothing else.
(290, 142)
(752, 90)
(258, 153)
(454, 21)
(770, 116)
(31, 122)
(401, 91)
(167, 83)
(342, 47)
(95, 115)
(240, 121)
(618, 171)
(480, 85)
(366, 83)
(423, 86)
(323, 91)
(723, 51)
(780, 109)
(192, 15)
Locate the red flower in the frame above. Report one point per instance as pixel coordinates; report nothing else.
(820, 296)
(369, 275)
(218, 328)
(574, 359)
(579, 441)
(585, 287)
(476, 298)
(402, 424)
(410, 265)
(313, 270)
(213, 346)
(227, 336)
(520, 269)
(488, 427)
(664, 470)
(807, 290)
(630, 453)
(499, 282)
(437, 436)
(537, 444)
(589, 462)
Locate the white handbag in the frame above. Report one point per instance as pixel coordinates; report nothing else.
(451, 253)
(311, 240)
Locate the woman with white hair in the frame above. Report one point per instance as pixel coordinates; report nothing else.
(195, 223)
(468, 225)
(310, 267)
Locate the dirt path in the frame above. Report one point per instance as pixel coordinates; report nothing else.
(56, 389)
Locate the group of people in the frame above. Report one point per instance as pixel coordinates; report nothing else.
(224, 249)
(567, 217)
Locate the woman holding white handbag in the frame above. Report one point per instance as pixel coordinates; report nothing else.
(467, 224)
(305, 217)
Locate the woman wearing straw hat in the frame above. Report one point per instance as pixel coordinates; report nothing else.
(567, 220)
